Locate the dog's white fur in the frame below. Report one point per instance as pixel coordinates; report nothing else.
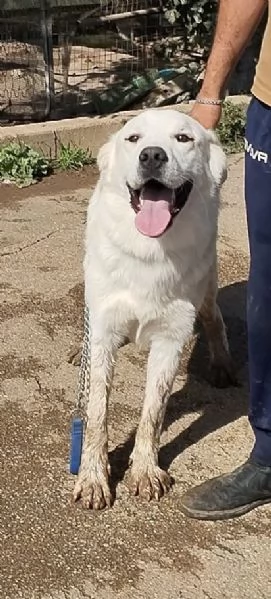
(149, 289)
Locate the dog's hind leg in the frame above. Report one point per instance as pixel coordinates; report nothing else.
(93, 479)
(222, 371)
(146, 478)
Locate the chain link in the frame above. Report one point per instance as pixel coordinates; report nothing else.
(84, 369)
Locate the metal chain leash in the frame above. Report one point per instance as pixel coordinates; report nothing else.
(84, 370)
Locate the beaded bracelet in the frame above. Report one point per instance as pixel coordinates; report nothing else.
(208, 101)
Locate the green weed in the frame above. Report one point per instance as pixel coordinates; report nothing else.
(22, 165)
(72, 157)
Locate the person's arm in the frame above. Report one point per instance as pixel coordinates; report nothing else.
(237, 20)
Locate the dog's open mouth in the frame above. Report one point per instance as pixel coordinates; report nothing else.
(156, 205)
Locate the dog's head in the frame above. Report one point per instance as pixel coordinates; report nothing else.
(157, 158)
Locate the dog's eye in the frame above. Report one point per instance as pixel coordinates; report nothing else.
(133, 138)
(182, 137)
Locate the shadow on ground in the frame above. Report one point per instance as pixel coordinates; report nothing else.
(220, 408)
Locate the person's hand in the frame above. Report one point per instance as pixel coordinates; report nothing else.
(207, 115)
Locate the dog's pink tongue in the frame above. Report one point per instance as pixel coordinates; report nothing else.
(153, 217)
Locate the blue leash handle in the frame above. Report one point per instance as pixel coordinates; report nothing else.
(77, 432)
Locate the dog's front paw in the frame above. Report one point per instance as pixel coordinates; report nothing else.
(149, 482)
(92, 487)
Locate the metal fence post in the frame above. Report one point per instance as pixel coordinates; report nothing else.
(47, 35)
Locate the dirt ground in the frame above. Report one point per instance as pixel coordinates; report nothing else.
(50, 548)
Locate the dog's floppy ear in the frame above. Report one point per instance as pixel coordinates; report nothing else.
(217, 161)
(105, 154)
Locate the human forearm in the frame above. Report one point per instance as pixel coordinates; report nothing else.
(236, 23)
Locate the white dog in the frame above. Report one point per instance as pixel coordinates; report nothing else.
(150, 269)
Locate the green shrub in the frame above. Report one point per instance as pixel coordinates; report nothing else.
(196, 19)
(22, 165)
(231, 130)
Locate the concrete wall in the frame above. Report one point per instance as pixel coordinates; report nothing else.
(86, 132)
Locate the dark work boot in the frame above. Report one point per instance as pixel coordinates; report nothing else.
(229, 495)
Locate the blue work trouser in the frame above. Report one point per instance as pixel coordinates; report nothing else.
(258, 205)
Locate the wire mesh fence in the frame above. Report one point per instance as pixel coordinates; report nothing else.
(106, 49)
(62, 58)
(65, 57)
(22, 68)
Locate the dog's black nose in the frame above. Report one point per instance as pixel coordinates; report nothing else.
(152, 157)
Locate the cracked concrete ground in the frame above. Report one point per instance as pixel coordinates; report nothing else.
(50, 548)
